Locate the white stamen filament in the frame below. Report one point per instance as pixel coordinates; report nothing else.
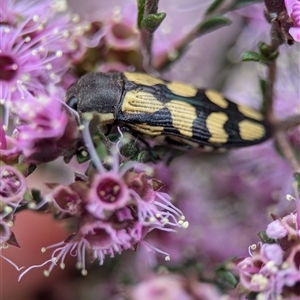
(12, 263)
(52, 260)
(90, 147)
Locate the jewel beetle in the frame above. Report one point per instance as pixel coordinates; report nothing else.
(171, 112)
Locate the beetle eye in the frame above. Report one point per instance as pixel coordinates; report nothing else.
(72, 102)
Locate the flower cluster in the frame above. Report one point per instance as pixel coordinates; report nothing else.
(45, 129)
(12, 190)
(115, 206)
(34, 51)
(120, 43)
(34, 54)
(272, 271)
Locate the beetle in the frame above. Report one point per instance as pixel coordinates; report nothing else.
(172, 112)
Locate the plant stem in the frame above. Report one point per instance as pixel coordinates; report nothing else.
(272, 70)
(168, 57)
(287, 150)
(289, 122)
(280, 127)
(151, 7)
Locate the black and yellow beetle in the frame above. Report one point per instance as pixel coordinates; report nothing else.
(176, 112)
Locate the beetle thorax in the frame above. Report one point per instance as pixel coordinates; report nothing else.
(101, 93)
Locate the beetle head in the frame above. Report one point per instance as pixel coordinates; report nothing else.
(95, 92)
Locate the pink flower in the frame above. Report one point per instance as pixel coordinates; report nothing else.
(267, 273)
(108, 193)
(97, 237)
(65, 200)
(7, 237)
(120, 187)
(38, 41)
(11, 151)
(12, 185)
(286, 230)
(276, 230)
(4, 232)
(8, 147)
(174, 287)
(46, 131)
(293, 9)
(40, 117)
(120, 30)
(164, 287)
(120, 39)
(273, 269)
(115, 207)
(3, 143)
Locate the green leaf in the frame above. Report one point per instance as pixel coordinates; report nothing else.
(38, 198)
(227, 278)
(241, 3)
(31, 169)
(273, 55)
(228, 7)
(266, 56)
(25, 169)
(82, 156)
(264, 48)
(252, 296)
(267, 51)
(263, 88)
(152, 21)
(252, 56)
(213, 6)
(27, 196)
(101, 151)
(297, 176)
(21, 208)
(129, 149)
(141, 9)
(36, 195)
(265, 238)
(213, 23)
(142, 156)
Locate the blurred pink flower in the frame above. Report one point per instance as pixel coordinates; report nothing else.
(12, 186)
(293, 9)
(108, 193)
(276, 230)
(65, 200)
(11, 151)
(268, 274)
(45, 129)
(173, 287)
(115, 207)
(34, 50)
(273, 269)
(4, 232)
